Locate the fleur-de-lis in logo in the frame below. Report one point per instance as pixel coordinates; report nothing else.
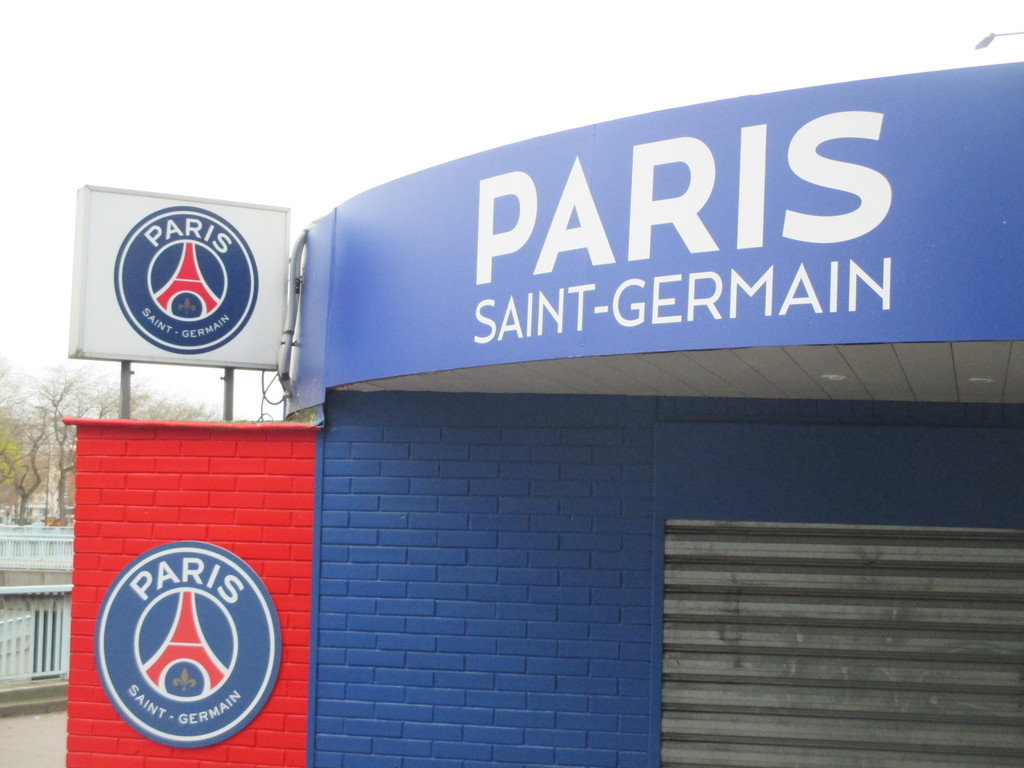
(186, 306)
(183, 681)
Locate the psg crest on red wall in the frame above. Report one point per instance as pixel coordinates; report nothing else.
(188, 644)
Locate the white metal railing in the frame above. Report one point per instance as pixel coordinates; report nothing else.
(36, 548)
(35, 632)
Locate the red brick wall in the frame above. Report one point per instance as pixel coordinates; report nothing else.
(247, 488)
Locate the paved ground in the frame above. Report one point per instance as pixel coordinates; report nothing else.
(34, 741)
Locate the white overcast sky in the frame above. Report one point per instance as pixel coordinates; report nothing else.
(303, 104)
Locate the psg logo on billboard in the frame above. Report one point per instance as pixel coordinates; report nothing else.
(188, 644)
(186, 280)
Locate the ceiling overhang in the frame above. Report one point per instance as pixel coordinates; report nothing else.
(964, 372)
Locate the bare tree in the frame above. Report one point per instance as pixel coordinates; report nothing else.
(37, 447)
(10, 451)
(62, 393)
(30, 469)
(22, 437)
(148, 404)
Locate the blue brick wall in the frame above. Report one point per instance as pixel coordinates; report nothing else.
(486, 591)
(485, 582)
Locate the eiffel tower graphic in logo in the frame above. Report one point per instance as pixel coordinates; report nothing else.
(185, 646)
(187, 282)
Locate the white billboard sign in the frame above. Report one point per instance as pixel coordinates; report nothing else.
(182, 280)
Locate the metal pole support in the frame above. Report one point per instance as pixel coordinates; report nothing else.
(229, 394)
(126, 390)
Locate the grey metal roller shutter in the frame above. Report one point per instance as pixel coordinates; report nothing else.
(817, 646)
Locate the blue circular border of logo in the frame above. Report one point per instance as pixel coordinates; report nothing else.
(245, 632)
(144, 266)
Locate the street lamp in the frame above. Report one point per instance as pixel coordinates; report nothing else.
(992, 36)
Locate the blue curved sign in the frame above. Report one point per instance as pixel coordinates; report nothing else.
(886, 210)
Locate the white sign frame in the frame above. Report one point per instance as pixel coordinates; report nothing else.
(100, 328)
